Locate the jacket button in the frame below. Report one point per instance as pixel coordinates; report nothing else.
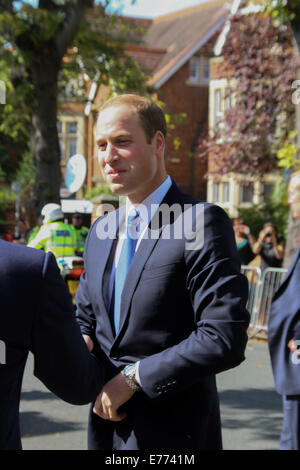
(114, 358)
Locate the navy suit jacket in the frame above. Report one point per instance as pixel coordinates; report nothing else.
(283, 325)
(183, 317)
(37, 315)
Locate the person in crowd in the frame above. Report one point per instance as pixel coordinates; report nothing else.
(244, 241)
(81, 232)
(284, 337)
(21, 233)
(35, 230)
(163, 315)
(37, 316)
(55, 235)
(6, 232)
(269, 246)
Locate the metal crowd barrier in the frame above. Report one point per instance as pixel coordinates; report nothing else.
(262, 287)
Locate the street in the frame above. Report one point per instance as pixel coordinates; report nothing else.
(250, 409)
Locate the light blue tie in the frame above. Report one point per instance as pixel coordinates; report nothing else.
(126, 256)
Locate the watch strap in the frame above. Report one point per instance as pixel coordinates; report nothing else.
(129, 375)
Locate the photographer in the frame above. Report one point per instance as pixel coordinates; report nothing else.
(244, 241)
(269, 246)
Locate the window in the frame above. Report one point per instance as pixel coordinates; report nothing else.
(67, 133)
(217, 109)
(72, 127)
(205, 70)
(246, 192)
(268, 189)
(71, 147)
(216, 192)
(225, 192)
(194, 73)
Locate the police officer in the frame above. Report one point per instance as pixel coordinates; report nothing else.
(35, 230)
(54, 235)
(81, 232)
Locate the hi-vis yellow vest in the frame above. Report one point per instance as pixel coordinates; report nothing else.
(57, 237)
(81, 234)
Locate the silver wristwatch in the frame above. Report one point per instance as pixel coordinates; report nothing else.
(129, 374)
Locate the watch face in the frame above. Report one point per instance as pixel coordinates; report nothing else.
(129, 370)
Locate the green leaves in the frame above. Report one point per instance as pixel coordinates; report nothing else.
(288, 152)
(285, 10)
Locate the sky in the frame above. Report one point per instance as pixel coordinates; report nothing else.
(152, 8)
(142, 8)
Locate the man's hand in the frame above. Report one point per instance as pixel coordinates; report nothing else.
(89, 342)
(115, 393)
(293, 347)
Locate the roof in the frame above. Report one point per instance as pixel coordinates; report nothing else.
(170, 40)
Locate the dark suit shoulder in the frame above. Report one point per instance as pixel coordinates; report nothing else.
(176, 195)
(19, 257)
(212, 211)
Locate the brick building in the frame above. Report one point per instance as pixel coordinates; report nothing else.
(174, 52)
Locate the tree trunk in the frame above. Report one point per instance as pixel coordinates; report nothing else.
(45, 143)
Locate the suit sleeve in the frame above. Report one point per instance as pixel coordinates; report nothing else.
(218, 292)
(61, 359)
(84, 311)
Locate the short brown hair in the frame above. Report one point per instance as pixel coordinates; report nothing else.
(151, 115)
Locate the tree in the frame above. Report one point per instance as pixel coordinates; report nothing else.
(288, 11)
(259, 62)
(43, 46)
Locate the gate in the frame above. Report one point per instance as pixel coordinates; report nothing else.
(262, 287)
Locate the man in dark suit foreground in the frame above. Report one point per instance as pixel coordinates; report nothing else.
(37, 315)
(164, 313)
(284, 337)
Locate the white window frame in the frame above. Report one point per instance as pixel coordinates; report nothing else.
(218, 113)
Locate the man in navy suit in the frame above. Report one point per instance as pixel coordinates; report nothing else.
(168, 314)
(284, 337)
(37, 315)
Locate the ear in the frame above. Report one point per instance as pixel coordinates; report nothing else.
(160, 143)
